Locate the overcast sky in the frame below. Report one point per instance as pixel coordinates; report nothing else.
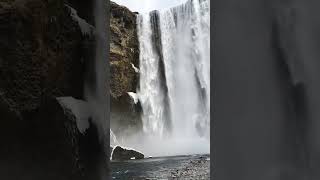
(148, 5)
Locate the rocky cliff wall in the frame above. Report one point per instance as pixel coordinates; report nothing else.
(44, 49)
(124, 51)
(124, 56)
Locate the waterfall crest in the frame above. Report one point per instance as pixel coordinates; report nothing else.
(175, 72)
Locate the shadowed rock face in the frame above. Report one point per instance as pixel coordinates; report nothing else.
(84, 8)
(40, 53)
(124, 53)
(43, 55)
(266, 103)
(45, 147)
(50, 146)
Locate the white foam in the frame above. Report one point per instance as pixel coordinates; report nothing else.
(154, 146)
(134, 97)
(113, 139)
(135, 68)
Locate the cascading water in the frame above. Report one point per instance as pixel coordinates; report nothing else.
(175, 78)
(150, 94)
(94, 107)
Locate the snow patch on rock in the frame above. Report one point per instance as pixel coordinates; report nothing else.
(86, 28)
(80, 110)
(135, 68)
(134, 97)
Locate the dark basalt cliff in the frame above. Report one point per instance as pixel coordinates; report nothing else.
(124, 53)
(43, 55)
(40, 53)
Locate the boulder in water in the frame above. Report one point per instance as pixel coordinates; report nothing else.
(120, 153)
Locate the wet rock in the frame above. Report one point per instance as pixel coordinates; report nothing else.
(120, 153)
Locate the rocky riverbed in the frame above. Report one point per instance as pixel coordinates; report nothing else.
(196, 169)
(175, 167)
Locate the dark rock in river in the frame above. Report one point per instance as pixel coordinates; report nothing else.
(120, 153)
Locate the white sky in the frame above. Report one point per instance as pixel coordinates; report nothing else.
(148, 5)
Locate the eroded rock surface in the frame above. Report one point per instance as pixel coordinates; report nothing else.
(124, 66)
(124, 50)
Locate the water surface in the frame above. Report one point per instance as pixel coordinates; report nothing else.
(173, 167)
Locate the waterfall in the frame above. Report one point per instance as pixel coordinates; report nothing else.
(174, 89)
(95, 104)
(95, 82)
(151, 93)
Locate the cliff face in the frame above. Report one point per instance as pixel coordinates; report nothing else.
(124, 56)
(43, 54)
(40, 53)
(124, 51)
